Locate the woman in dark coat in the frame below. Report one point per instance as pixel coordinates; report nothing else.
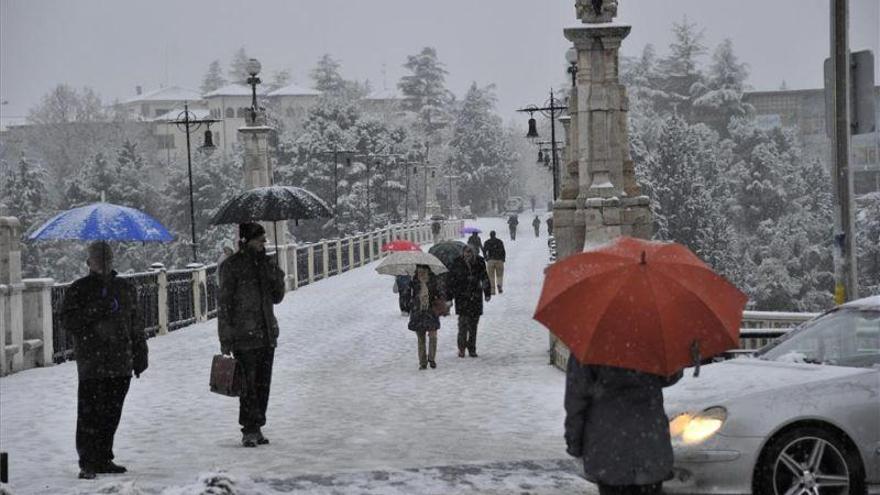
(615, 420)
(423, 320)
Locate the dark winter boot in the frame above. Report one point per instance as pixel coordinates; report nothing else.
(87, 474)
(249, 440)
(261, 440)
(110, 467)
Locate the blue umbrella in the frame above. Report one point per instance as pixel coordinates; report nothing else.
(470, 230)
(102, 222)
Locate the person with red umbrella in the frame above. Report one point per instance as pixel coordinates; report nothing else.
(634, 314)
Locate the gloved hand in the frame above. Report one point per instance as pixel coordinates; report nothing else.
(225, 348)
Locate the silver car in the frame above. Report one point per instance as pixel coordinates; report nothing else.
(800, 417)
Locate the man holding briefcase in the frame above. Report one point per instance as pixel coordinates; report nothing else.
(251, 284)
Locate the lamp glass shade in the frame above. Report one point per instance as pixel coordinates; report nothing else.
(540, 156)
(533, 129)
(571, 55)
(209, 141)
(253, 67)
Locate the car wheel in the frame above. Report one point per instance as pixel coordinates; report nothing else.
(808, 461)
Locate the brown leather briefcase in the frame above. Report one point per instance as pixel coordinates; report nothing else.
(225, 376)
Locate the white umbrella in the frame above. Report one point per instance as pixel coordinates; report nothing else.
(404, 263)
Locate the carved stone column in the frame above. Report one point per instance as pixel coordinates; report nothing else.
(432, 206)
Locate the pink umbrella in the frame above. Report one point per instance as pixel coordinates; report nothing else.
(401, 245)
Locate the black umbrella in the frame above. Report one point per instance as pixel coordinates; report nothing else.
(272, 204)
(447, 251)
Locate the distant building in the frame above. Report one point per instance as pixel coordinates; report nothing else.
(804, 110)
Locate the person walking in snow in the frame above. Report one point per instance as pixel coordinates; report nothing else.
(495, 257)
(469, 283)
(404, 292)
(512, 222)
(436, 226)
(475, 242)
(536, 224)
(424, 320)
(100, 311)
(550, 225)
(247, 327)
(635, 455)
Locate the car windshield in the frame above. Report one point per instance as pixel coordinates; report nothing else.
(845, 337)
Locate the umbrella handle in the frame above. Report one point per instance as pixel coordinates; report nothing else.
(695, 356)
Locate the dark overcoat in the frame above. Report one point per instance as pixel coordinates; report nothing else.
(101, 313)
(475, 242)
(469, 283)
(614, 418)
(494, 249)
(251, 285)
(424, 319)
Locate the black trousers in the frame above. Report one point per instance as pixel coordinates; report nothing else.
(652, 489)
(98, 409)
(256, 366)
(403, 297)
(467, 333)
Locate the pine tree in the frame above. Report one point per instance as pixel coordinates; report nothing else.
(725, 83)
(424, 90)
(868, 242)
(237, 71)
(213, 78)
(280, 78)
(24, 193)
(679, 71)
(326, 76)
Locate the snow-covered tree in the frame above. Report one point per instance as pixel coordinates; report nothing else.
(424, 89)
(280, 78)
(724, 84)
(213, 78)
(326, 75)
(237, 71)
(680, 69)
(868, 242)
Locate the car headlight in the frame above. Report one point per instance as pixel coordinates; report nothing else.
(691, 429)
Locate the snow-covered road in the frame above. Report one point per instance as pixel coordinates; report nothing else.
(350, 412)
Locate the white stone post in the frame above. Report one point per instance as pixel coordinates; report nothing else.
(3, 298)
(199, 279)
(10, 276)
(350, 253)
(311, 263)
(37, 311)
(325, 258)
(162, 283)
(361, 248)
(293, 273)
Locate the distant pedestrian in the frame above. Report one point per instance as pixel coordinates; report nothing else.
(512, 222)
(469, 284)
(436, 226)
(495, 257)
(532, 200)
(404, 291)
(100, 311)
(616, 422)
(475, 242)
(425, 297)
(550, 225)
(536, 224)
(247, 327)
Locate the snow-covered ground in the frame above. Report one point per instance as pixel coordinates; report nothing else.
(350, 411)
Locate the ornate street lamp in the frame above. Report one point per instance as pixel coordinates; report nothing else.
(253, 68)
(571, 56)
(187, 122)
(550, 110)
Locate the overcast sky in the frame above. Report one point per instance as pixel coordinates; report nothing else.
(113, 46)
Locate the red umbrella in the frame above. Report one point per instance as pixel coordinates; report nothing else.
(649, 306)
(401, 245)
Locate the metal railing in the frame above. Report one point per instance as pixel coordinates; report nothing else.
(146, 287)
(212, 288)
(181, 310)
(62, 341)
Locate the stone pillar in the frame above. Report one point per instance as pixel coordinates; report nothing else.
(10, 277)
(325, 258)
(454, 206)
(38, 345)
(199, 291)
(432, 207)
(162, 299)
(311, 259)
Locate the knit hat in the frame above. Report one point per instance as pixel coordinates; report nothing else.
(250, 230)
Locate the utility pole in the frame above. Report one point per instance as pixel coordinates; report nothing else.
(845, 265)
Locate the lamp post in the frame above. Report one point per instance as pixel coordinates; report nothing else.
(550, 109)
(253, 68)
(335, 152)
(187, 122)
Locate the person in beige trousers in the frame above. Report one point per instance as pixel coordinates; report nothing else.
(495, 257)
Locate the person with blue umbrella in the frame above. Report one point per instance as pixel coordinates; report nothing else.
(101, 312)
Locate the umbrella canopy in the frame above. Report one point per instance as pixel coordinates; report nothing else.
(404, 263)
(447, 251)
(401, 245)
(271, 204)
(102, 222)
(649, 306)
(470, 230)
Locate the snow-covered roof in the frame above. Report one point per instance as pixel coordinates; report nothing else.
(170, 93)
(231, 90)
(11, 121)
(385, 94)
(294, 90)
(199, 113)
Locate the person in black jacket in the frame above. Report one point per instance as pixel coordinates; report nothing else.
(100, 311)
(512, 222)
(475, 242)
(251, 285)
(468, 281)
(615, 422)
(495, 257)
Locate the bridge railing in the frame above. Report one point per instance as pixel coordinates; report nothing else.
(172, 299)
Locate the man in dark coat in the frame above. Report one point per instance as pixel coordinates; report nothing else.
(100, 312)
(475, 242)
(615, 420)
(495, 257)
(550, 225)
(469, 281)
(536, 224)
(246, 323)
(512, 222)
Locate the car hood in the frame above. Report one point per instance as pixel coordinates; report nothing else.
(720, 383)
